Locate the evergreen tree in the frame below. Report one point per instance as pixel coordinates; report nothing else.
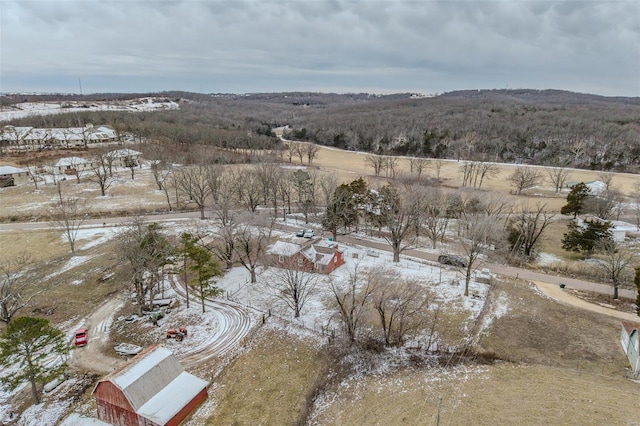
(203, 265)
(576, 200)
(586, 237)
(26, 350)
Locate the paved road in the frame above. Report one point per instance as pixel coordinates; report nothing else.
(504, 270)
(508, 271)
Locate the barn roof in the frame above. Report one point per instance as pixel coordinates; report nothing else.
(172, 398)
(155, 384)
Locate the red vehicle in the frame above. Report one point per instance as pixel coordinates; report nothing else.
(81, 337)
(176, 333)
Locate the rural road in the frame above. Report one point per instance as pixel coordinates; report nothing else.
(92, 356)
(505, 270)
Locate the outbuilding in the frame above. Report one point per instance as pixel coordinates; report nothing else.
(11, 176)
(630, 341)
(150, 390)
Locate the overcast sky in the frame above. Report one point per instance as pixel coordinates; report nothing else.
(313, 45)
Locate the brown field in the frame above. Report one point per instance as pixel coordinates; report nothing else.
(353, 164)
(269, 384)
(502, 394)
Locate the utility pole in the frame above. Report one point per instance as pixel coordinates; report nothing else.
(439, 407)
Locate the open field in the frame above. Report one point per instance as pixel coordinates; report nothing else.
(270, 384)
(486, 395)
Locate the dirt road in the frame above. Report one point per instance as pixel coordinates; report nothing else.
(561, 296)
(92, 357)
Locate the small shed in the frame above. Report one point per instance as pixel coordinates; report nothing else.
(630, 342)
(150, 390)
(12, 176)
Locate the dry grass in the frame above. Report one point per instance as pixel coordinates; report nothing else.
(537, 330)
(567, 370)
(77, 290)
(269, 384)
(354, 164)
(503, 394)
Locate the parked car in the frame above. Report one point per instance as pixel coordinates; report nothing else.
(308, 233)
(300, 233)
(81, 336)
(453, 260)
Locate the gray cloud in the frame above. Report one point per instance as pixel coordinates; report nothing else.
(381, 46)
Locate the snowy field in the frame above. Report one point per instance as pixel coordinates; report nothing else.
(26, 109)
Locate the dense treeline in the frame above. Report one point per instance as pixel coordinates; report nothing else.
(519, 126)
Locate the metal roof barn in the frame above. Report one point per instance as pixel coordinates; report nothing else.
(150, 390)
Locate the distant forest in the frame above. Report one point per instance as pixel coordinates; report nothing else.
(546, 127)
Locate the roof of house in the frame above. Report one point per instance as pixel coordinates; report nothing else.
(70, 161)
(125, 153)
(284, 248)
(155, 384)
(10, 170)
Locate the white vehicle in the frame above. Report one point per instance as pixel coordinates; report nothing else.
(308, 233)
(300, 233)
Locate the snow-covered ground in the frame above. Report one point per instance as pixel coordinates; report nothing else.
(447, 284)
(26, 109)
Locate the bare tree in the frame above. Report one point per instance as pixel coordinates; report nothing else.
(614, 260)
(17, 286)
(558, 177)
(436, 215)
(69, 214)
(484, 170)
(350, 299)
(397, 216)
(524, 178)
(437, 165)
(391, 165)
(527, 227)
(604, 204)
(607, 179)
(162, 175)
(478, 230)
(292, 285)
(417, 165)
(101, 175)
(144, 250)
(401, 305)
(193, 182)
(250, 192)
(311, 150)
(377, 162)
(251, 244)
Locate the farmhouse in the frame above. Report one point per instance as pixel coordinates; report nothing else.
(71, 165)
(125, 157)
(630, 342)
(24, 138)
(151, 390)
(11, 176)
(314, 256)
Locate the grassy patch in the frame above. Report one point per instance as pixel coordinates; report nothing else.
(537, 330)
(269, 384)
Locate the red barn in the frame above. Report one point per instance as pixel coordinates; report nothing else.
(316, 256)
(150, 390)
